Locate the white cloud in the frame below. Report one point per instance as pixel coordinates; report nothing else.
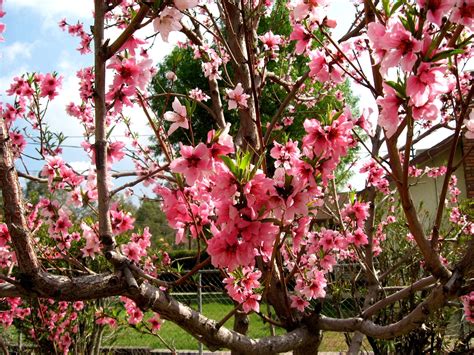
(17, 51)
(80, 166)
(54, 8)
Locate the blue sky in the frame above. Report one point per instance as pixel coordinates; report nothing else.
(34, 42)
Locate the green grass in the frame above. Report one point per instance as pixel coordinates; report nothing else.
(179, 339)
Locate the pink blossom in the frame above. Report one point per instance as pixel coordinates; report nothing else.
(323, 71)
(376, 31)
(193, 162)
(169, 20)
(463, 13)
(251, 303)
(18, 142)
(185, 4)
(299, 303)
(237, 98)
(436, 9)
(226, 250)
(171, 76)
(390, 104)
(198, 95)
(285, 155)
(314, 286)
(401, 47)
(178, 117)
(133, 251)
(302, 37)
(270, 41)
(428, 82)
(49, 85)
(92, 246)
(121, 221)
(468, 306)
(155, 322)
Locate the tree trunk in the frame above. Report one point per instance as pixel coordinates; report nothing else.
(241, 325)
(310, 348)
(247, 136)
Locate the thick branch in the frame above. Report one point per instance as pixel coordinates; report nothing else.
(417, 286)
(105, 225)
(15, 214)
(131, 28)
(413, 320)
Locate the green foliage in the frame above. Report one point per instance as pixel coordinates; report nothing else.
(189, 76)
(149, 214)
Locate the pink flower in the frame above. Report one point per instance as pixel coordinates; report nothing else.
(155, 322)
(185, 4)
(388, 117)
(227, 251)
(463, 13)
(133, 251)
(357, 211)
(359, 237)
(237, 98)
(468, 306)
(121, 221)
(198, 95)
(178, 117)
(171, 76)
(323, 71)
(314, 286)
(114, 152)
(251, 303)
(193, 162)
(428, 81)
(302, 37)
(375, 31)
(78, 305)
(401, 48)
(436, 9)
(299, 303)
(169, 20)
(270, 41)
(49, 85)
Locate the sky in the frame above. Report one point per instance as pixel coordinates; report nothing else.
(35, 43)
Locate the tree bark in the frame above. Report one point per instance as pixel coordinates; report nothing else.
(241, 325)
(247, 136)
(309, 348)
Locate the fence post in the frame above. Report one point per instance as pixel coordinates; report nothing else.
(199, 295)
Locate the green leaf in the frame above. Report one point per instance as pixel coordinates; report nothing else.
(446, 54)
(398, 87)
(411, 24)
(256, 167)
(245, 161)
(386, 7)
(110, 132)
(230, 164)
(396, 6)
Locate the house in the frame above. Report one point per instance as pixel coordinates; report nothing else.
(426, 191)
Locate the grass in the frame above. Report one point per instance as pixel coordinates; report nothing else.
(179, 339)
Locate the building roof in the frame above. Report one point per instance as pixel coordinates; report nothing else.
(428, 154)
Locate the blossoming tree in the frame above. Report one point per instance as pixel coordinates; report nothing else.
(252, 199)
